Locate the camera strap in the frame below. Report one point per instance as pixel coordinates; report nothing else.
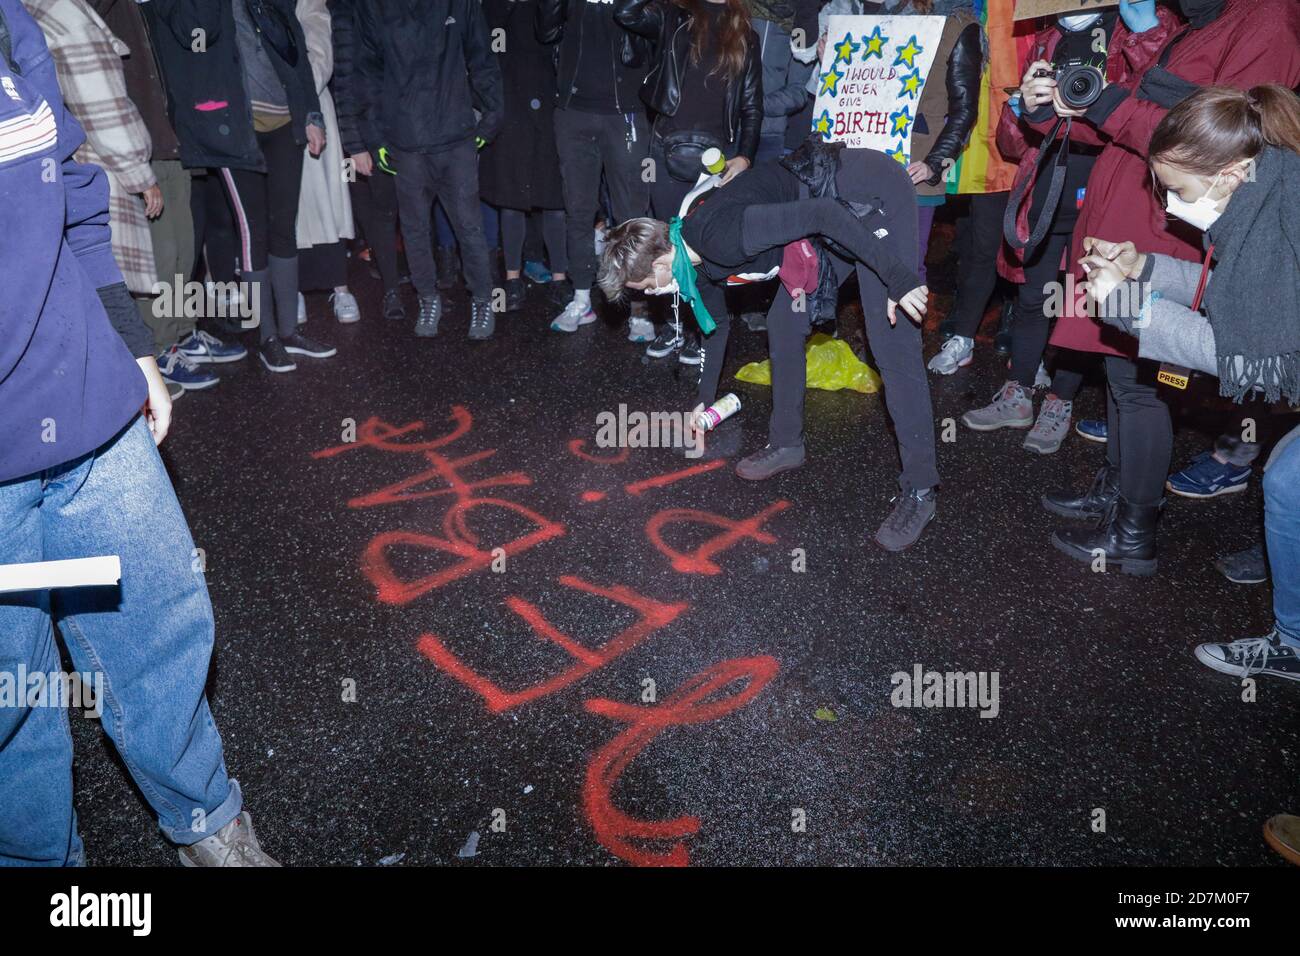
(1037, 230)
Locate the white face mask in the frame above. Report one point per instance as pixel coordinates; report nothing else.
(1201, 214)
(1080, 21)
(668, 289)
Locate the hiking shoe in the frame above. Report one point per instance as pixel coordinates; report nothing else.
(666, 342)
(426, 323)
(1252, 655)
(640, 329)
(912, 512)
(1051, 428)
(536, 272)
(346, 309)
(299, 344)
(770, 461)
(482, 320)
(515, 294)
(274, 356)
(955, 353)
(179, 369)
(574, 315)
(393, 308)
(235, 844)
(1011, 408)
(1093, 429)
(207, 349)
(1245, 567)
(1207, 477)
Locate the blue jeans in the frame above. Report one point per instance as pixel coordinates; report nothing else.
(1282, 533)
(148, 640)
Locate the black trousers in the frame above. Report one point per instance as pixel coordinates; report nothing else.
(374, 200)
(265, 205)
(1141, 435)
(449, 176)
(589, 144)
(864, 175)
(1032, 325)
(980, 238)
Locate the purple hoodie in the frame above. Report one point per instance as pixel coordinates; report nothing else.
(68, 383)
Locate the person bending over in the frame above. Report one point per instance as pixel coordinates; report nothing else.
(811, 218)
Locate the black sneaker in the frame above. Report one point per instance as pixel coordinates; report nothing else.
(691, 354)
(515, 294)
(393, 308)
(1252, 655)
(299, 344)
(1245, 567)
(912, 512)
(275, 356)
(482, 320)
(426, 324)
(665, 343)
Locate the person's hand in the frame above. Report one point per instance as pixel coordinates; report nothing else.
(735, 166)
(913, 304)
(158, 406)
(919, 173)
(1123, 254)
(1059, 105)
(315, 139)
(1103, 276)
(363, 163)
(1036, 90)
(153, 201)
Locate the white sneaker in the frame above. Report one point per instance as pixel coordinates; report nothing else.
(640, 329)
(574, 315)
(302, 309)
(956, 353)
(346, 309)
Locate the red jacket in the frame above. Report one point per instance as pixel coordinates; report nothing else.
(1252, 42)
(1128, 58)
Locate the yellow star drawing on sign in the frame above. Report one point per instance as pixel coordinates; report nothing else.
(874, 44)
(845, 49)
(901, 121)
(897, 154)
(822, 124)
(907, 54)
(831, 81)
(911, 87)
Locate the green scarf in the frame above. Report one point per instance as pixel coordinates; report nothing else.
(684, 273)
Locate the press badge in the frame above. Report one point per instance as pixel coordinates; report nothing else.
(1175, 376)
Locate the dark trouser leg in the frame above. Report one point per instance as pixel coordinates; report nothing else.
(1032, 325)
(416, 192)
(714, 344)
(924, 223)
(374, 198)
(246, 191)
(1067, 377)
(514, 223)
(456, 172)
(787, 329)
(1144, 430)
(978, 273)
(578, 142)
(283, 186)
(623, 158)
(553, 227)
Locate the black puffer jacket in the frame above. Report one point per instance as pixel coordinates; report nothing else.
(422, 68)
(669, 25)
(206, 98)
(343, 84)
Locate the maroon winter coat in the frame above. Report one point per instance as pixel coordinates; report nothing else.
(1127, 59)
(1252, 42)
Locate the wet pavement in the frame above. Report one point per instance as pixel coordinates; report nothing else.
(642, 674)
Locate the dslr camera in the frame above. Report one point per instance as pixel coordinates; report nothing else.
(1078, 82)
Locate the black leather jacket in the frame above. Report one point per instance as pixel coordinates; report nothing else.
(631, 57)
(962, 81)
(669, 24)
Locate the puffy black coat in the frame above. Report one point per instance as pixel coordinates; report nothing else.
(422, 68)
(206, 99)
(669, 25)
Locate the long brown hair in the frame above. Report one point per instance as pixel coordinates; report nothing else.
(1218, 126)
(733, 41)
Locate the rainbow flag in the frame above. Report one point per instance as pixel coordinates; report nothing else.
(980, 167)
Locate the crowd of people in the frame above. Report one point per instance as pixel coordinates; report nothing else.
(651, 158)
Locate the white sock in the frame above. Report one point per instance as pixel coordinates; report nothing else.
(583, 298)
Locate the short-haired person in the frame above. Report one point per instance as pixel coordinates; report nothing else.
(82, 406)
(864, 203)
(1229, 160)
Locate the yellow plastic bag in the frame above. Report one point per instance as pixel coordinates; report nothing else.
(831, 366)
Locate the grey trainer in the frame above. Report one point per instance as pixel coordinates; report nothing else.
(482, 320)
(235, 844)
(1011, 408)
(426, 324)
(1052, 427)
(912, 512)
(1245, 567)
(770, 461)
